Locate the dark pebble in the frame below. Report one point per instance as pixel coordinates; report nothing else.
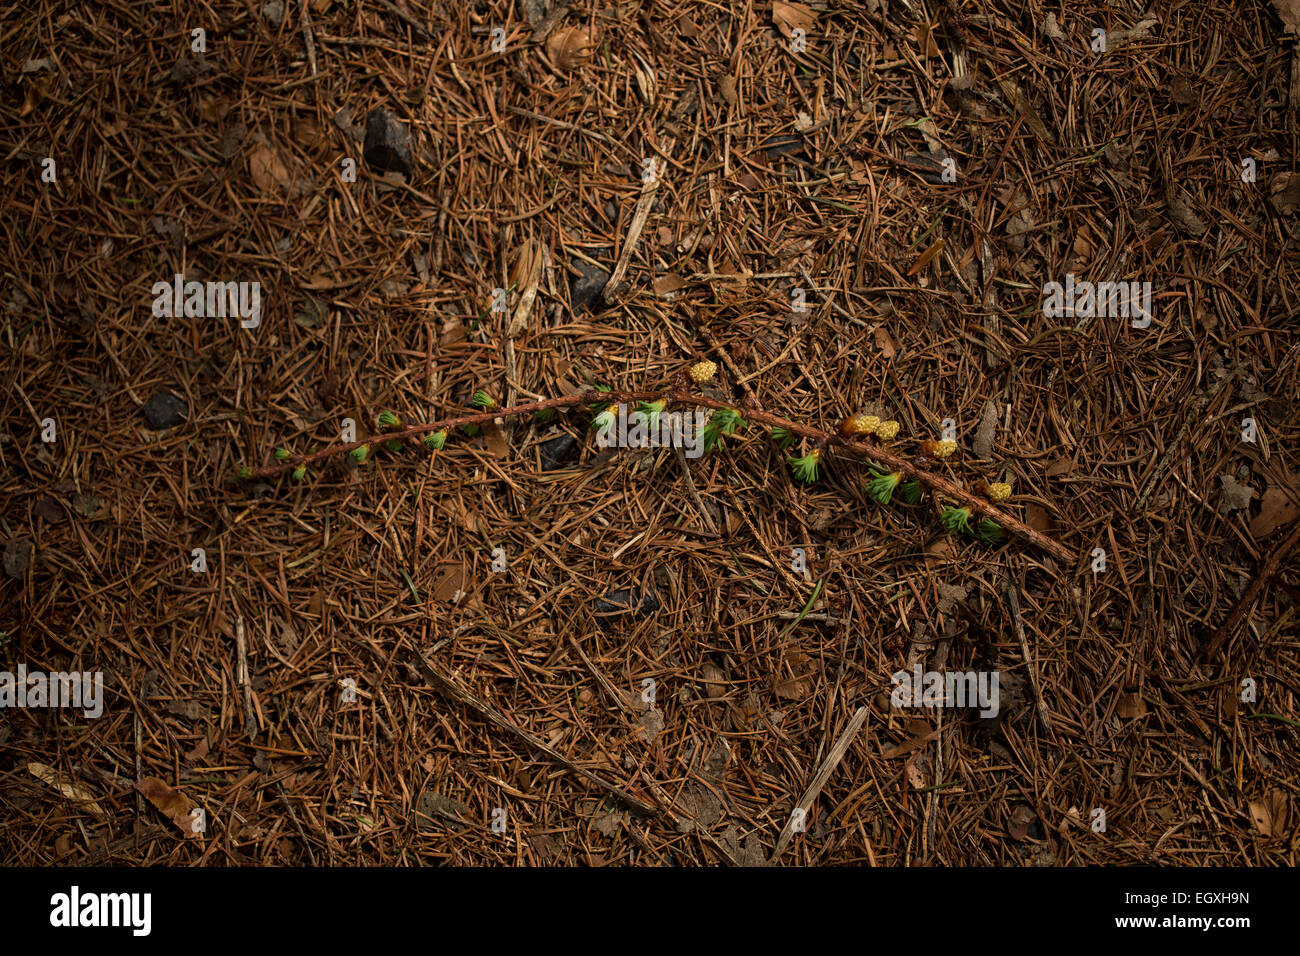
(558, 451)
(165, 410)
(585, 288)
(388, 144)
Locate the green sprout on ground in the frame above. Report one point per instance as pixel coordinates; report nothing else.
(783, 437)
(652, 411)
(882, 485)
(603, 421)
(725, 421)
(805, 468)
(911, 491)
(956, 520)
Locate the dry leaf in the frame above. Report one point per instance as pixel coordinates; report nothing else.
(1284, 192)
(983, 443)
(907, 746)
(1269, 815)
(1026, 109)
(1132, 705)
(1036, 517)
(884, 342)
(318, 282)
(570, 47)
(527, 264)
(1235, 495)
(667, 284)
(935, 248)
(1062, 466)
(497, 442)
(30, 99)
(1288, 12)
(173, 804)
(789, 17)
(1276, 509)
(526, 274)
(727, 87)
(267, 170)
(1182, 215)
(915, 775)
(925, 40)
(449, 585)
(70, 791)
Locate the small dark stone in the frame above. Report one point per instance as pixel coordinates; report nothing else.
(584, 289)
(165, 410)
(623, 600)
(556, 452)
(388, 144)
(18, 557)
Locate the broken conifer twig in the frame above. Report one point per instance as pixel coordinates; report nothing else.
(847, 437)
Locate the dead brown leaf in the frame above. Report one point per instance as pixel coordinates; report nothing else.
(1277, 508)
(70, 791)
(926, 257)
(1288, 12)
(907, 746)
(1036, 517)
(789, 17)
(1269, 814)
(570, 47)
(173, 804)
(912, 769)
(450, 585)
(1284, 192)
(885, 342)
(497, 442)
(268, 170)
(668, 284)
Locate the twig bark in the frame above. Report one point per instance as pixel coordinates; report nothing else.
(682, 397)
